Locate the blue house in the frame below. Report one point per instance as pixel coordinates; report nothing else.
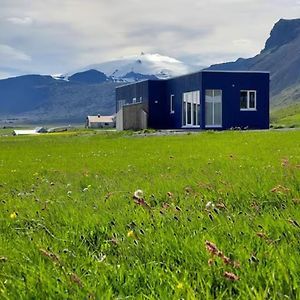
(202, 100)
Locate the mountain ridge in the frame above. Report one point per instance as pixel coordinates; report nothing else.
(280, 56)
(91, 90)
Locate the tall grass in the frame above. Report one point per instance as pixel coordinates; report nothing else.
(70, 228)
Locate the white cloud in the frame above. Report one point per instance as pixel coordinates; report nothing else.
(64, 35)
(9, 54)
(20, 20)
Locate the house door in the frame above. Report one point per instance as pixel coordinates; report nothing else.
(213, 108)
(190, 109)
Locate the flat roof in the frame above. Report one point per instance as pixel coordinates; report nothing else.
(193, 73)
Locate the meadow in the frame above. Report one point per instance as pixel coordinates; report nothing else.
(217, 216)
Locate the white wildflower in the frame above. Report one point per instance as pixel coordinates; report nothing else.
(209, 205)
(138, 194)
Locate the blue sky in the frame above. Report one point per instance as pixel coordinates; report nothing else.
(57, 36)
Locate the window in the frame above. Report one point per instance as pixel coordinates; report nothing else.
(191, 109)
(172, 108)
(213, 108)
(248, 100)
(134, 100)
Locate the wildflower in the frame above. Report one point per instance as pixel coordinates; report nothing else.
(130, 233)
(179, 285)
(280, 189)
(231, 276)
(165, 206)
(210, 262)
(221, 205)
(138, 194)
(3, 259)
(261, 235)
(170, 194)
(212, 248)
(55, 258)
(285, 162)
(226, 260)
(142, 202)
(74, 278)
(188, 190)
(209, 205)
(13, 215)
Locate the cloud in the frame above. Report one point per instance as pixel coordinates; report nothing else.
(20, 20)
(54, 36)
(10, 54)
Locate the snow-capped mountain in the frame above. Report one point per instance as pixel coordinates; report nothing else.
(137, 67)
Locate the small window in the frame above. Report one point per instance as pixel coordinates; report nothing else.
(172, 108)
(248, 100)
(133, 100)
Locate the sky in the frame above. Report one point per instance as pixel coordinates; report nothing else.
(58, 36)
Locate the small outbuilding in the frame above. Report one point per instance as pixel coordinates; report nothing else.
(100, 121)
(202, 100)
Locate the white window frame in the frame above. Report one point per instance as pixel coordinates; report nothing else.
(172, 110)
(192, 98)
(248, 100)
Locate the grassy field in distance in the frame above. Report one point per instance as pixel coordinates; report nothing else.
(288, 116)
(218, 216)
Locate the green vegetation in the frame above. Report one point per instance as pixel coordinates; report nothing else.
(70, 228)
(287, 116)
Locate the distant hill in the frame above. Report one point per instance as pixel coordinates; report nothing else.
(36, 98)
(71, 97)
(280, 56)
(90, 77)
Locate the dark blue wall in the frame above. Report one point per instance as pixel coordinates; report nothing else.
(130, 91)
(231, 83)
(157, 93)
(177, 86)
(157, 104)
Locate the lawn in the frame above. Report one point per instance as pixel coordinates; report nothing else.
(217, 216)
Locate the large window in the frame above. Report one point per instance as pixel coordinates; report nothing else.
(213, 108)
(248, 100)
(190, 109)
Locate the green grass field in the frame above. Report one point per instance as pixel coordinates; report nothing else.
(70, 228)
(288, 116)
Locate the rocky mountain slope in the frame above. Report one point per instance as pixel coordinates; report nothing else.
(280, 56)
